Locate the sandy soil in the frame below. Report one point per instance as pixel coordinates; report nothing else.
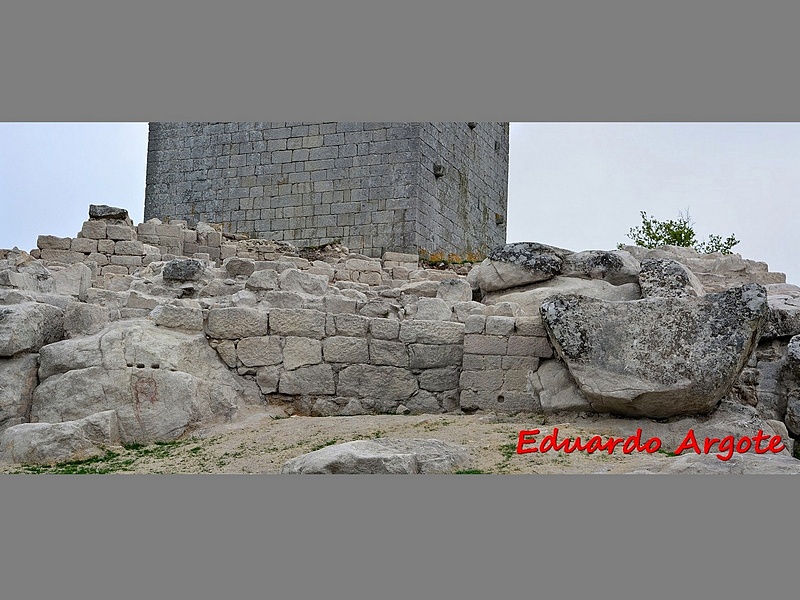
(260, 442)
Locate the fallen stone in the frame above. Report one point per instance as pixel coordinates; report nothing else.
(51, 443)
(103, 211)
(183, 269)
(385, 456)
(531, 299)
(657, 357)
(28, 326)
(82, 319)
(664, 278)
(616, 267)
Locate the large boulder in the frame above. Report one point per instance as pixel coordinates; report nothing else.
(616, 266)
(517, 264)
(28, 326)
(530, 299)
(665, 278)
(50, 443)
(386, 456)
(17, 382)
(656, 357)
(161, 382)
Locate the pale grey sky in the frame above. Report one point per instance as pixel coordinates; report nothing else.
(575, 185)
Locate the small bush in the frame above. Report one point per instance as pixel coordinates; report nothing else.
(653, 233)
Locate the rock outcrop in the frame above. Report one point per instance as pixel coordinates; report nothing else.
(656, 357)
(384, 456)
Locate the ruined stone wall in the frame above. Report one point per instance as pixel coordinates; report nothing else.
(370, 185)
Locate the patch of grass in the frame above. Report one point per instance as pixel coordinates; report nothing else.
(378, 434)
(470, 472)
(324, 444)
(508, 450)
(110, 462)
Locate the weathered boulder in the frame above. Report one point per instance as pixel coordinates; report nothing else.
(72, 280)
(665, 278)
(385, 456)
(294, 280)
(84, 319)
(529, 300)
(17, 382)
(103, 211)
(50, 443)
(28, 326)
(161, 382)
(656, 357)
(183, 269)
(617, 267)
(517, 264)
(783, 320)
(556, 390)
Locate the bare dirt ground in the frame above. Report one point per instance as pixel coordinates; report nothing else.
(260, 442)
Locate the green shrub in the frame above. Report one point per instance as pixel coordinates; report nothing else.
(653, 233)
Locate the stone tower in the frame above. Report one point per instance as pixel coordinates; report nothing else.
(375, 187)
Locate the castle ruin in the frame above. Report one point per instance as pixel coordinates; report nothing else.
(374, 187)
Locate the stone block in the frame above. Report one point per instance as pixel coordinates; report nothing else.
(128, 261)
(454, 290)
(297, 322)
(339, 304)
(129, 248)
(267, 379)
(62, 256)
(266, 279)
(382, 384)
(384, 329)
(499, 325)
(178, 317)
(433, 309)
(386, 352)
(483, 380)
(239, 266)
(505, 402)
(237, 322)
(426, 356)
(475, 324)
(350, 325)
(260, 351)
(431, 332)
(312, 380)
(530, 326)
(105, 246)
(529, 346)
(440, 380)
(300, 352)
(342, 349)
(485, 344)
(51, 242)
(94, 230)
(84, 245)
(120, 232)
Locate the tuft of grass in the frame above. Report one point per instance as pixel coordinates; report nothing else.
(324, 444)
(470, 472)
